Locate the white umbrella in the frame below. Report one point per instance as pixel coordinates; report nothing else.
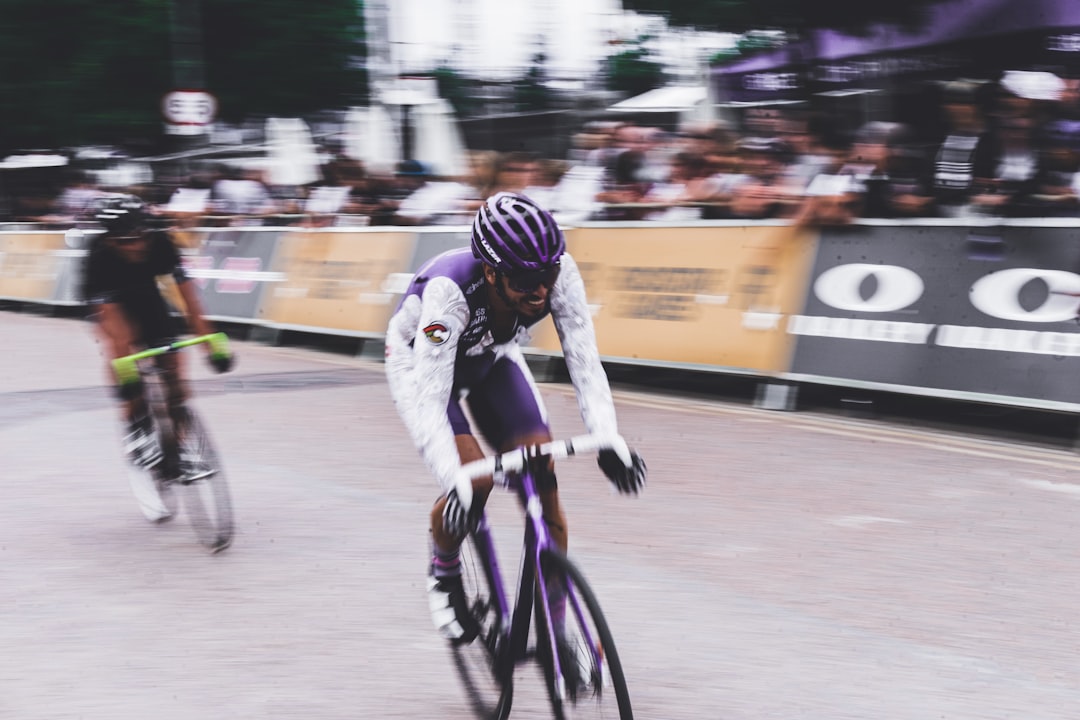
(439, 143)
(292, 154)
(371, 137)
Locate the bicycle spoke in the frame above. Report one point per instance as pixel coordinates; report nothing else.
(203, 486)
(583, 674)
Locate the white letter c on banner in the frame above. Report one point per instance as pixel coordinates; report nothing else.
(897, 287)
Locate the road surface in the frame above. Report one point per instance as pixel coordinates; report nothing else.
(778, 566)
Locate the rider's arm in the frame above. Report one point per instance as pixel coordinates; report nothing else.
(189, 292)
(116, 330)
(193, 307)
(421, 378)
(573, 322)
(98, 290)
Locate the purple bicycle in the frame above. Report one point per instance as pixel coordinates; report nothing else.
(570, 639)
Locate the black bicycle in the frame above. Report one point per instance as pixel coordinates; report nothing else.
(571, 639)
(190, 466)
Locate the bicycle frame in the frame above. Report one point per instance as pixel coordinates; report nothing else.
(512, 644)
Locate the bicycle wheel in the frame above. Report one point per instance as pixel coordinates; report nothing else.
(590, 682)
(203, 487)
(488, 682)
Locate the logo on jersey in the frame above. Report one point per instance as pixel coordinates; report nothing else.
(437, 333)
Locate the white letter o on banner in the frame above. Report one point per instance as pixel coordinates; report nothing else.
(897, 287)
(998, 295)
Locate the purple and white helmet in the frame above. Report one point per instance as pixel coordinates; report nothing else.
(511, 232)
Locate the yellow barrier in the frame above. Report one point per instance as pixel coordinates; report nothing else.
(337, 280)
(711, 296)
(30, 265)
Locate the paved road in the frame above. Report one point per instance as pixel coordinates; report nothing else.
(780, 565)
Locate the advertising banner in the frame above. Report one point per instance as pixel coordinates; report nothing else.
(30, 265)
(946, 310)
(231, 267)
(712, 296)
(335, 281)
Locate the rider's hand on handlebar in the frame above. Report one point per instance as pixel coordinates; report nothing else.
(457, 520)
(221, 363)
(626, 470)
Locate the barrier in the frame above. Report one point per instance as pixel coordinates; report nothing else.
(337, 281)
(232, 268)
(708, 297)
(32, 265)
(975, 313)
(936, 307)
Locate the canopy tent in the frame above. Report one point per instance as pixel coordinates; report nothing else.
(372, 138)
(408, 119)
(689, 103)
(975, 38)
(292, 158)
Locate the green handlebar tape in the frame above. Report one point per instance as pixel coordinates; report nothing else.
(219, 345)
(127, 371)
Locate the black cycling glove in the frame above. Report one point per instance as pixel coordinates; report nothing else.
(221, 363)
(626, 479)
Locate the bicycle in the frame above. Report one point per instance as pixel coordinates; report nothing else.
(205, 492)
(580, 665)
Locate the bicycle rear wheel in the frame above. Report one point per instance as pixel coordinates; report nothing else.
(589, 682)
(204, 490)
(488, 682)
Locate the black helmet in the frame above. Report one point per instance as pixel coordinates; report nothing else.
(121, 215)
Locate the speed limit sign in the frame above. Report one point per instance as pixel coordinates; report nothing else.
(188, 112)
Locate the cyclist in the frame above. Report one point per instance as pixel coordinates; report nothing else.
(120, 285)
(456, 336)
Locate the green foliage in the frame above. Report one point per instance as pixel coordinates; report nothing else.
(89, 71)
(633, 71)
(739, 16)
(458, 90)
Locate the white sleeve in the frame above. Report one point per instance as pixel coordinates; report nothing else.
(421, 378)
(570, 312)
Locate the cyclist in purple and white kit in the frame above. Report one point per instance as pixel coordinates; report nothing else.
(456, 336)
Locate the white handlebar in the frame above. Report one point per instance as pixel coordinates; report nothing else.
(514, 460)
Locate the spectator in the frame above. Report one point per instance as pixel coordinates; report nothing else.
(686, 184)
(1056, 186)
(623, 186)
(241, 192)
(763, 194)
(964, 165)
(77, 201)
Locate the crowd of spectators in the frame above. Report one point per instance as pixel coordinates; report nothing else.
(1009, 149)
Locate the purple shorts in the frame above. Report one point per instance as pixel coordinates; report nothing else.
(503, 400)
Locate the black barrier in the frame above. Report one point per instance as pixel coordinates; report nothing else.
(233, 269)
(946, 310)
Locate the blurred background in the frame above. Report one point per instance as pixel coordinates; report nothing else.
(409, 112)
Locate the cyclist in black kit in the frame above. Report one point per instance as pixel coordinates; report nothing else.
(120, 285)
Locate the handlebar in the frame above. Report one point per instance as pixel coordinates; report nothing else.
(514, 460)
(127, 370)
(498, 465)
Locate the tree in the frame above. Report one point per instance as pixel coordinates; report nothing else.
(633, 71)
(85, 71)
(739, 16)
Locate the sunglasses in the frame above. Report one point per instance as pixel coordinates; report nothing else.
(527, 281)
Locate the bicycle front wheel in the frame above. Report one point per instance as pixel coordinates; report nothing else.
(488, 681)
(204, 490)
(588, 681)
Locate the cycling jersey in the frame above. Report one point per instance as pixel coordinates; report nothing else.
(109, 278)
(440, 345)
